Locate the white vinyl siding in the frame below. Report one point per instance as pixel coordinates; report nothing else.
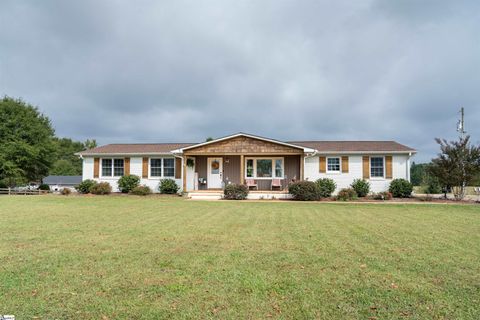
(355, 171)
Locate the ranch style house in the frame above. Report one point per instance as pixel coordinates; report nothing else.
(266, 165)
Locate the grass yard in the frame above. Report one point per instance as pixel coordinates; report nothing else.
(160, 258)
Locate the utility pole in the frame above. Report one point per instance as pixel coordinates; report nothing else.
(461, 130)
(461, 124)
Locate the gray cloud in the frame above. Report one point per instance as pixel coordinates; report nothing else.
(149, 71)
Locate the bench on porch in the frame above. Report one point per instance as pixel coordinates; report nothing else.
(275, 184)
(251, 183)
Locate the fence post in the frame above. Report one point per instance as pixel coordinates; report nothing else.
(8, 190)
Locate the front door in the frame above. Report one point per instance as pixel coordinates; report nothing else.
(215, 173)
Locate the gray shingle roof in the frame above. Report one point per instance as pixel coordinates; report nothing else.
(132, 148)
(321, 146)
(355, 146)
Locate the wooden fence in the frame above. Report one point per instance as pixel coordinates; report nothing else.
(13, 191)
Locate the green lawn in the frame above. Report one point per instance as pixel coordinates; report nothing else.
(153, 258)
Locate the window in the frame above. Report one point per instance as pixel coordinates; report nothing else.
(333, 164)
(278, 167)
(249, 168)
(168, 167)
(264, 168)
(155, 167)
(162, 167)
(215, 167)
(107, 167)
(112, 167)
(376, 167)
(118, 167)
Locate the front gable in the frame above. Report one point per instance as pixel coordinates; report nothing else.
(244, 145)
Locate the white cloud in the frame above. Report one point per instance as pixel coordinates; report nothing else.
(149, 70)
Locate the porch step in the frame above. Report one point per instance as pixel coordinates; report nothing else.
(205, 195)
(253, 195)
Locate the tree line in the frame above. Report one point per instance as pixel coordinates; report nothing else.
(29, 148)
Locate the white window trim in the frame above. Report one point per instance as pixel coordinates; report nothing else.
(273, 168)
(162, 176)
(339, 171)
(113, 167)
(370, 168)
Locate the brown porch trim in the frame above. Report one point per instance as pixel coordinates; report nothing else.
(242, 169)
(184, 167)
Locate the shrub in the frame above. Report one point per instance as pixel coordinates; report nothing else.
(325, 187)
(433, 186)
(361, 187)
(128, 183)
(101, 188)
(401, 188)
(383, 196)
(86, 186)
(44, 187)
(168, 186)
(304, 191)
(141, 190)
(347, 194)
(425, 198)
(235, 192)
(66, 191)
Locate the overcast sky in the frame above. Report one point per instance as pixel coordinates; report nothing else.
(180, 71)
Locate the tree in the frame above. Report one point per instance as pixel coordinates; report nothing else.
(90, 144)
(457, 165)
(64, 167)
(66, 162)
(26, 148)
(209, 139)
(418, 173)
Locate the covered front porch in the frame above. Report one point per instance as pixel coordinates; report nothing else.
(260, 163)
(258, 171)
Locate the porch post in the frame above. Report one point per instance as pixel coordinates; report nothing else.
(302, 159)
(184, 161)
(242, 169)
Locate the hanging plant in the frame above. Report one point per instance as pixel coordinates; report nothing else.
(190, 162)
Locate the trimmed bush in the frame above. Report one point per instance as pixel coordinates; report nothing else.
(347, 194)
(304, 191)
(101, 188)
(383, 196)
(168, 186)
(86, 186)
(361, 187)
(325, 187)
(128, 183)
(433, 186)
(66, 191)
(141, 190)
(235, 192)
(401, 188)
(44, 187)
